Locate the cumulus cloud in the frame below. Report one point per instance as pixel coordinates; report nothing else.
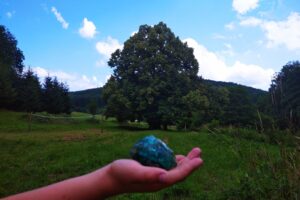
(107, 47)
(88, 29)
(213, 67)
(59, 18)
(286, 32)
(228, 51)
(74, 81)
(243, 6)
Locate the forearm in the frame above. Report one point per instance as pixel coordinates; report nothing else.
(95, 185)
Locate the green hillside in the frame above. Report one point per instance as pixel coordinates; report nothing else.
(254, 93)
(81, 99)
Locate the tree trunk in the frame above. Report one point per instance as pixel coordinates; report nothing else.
(165, 127)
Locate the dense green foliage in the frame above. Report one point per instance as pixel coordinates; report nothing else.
(151, 74)
(80, 100)
(11, 67)
(22, 91)
(29, 93)
(155, 80)
(55, 96)
(93, 107)
(285, 93)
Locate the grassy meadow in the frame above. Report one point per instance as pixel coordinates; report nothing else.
(58, 149)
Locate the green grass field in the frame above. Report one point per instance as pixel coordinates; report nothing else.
(56, 150)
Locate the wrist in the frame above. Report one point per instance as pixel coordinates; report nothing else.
(107, 184)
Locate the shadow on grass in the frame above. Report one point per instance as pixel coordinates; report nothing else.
(133, 128)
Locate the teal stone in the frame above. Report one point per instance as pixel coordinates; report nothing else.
(151, 151)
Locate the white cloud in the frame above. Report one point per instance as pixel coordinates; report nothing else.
(88, 29)
(59, 18)
(107, 47)
(230, 26)
(41, 72)
(74, 81)
(286, 33)
(251, 21)
(212, 67)
(243, 6)
(228, 51)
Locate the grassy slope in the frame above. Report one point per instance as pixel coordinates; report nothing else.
(56, 151)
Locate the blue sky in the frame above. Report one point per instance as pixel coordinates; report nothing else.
(243, 41)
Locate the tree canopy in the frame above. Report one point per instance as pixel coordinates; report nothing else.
(285, 95)
(11, 67)
(152, 73)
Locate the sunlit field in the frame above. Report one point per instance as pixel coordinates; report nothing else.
(58, 149)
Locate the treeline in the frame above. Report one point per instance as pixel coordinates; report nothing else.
(22, 91)
(81, 101)
(156, 80)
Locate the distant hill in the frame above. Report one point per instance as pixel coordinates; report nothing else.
(254, 93)
(81, 99)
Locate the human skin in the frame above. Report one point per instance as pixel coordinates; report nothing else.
(118, 177)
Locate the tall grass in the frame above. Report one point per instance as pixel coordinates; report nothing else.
(269, 178)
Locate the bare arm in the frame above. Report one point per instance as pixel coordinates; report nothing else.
(121, 176)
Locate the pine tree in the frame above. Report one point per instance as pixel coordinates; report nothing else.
(11, 67)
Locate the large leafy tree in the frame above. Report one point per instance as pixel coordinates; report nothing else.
(285, 95)
(193, 110)
(151, 74)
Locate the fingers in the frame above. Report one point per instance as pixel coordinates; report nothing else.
(194, 153)
(181, 172)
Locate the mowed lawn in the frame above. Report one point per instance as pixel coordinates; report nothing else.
(60, 149)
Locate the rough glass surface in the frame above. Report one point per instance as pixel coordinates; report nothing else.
(151, 151)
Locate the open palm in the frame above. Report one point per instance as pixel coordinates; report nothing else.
(134, 177)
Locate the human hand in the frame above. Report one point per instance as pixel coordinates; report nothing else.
(131, 176)
(121, 176)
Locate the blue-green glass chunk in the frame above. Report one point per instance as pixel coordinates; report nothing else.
(151, 151)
